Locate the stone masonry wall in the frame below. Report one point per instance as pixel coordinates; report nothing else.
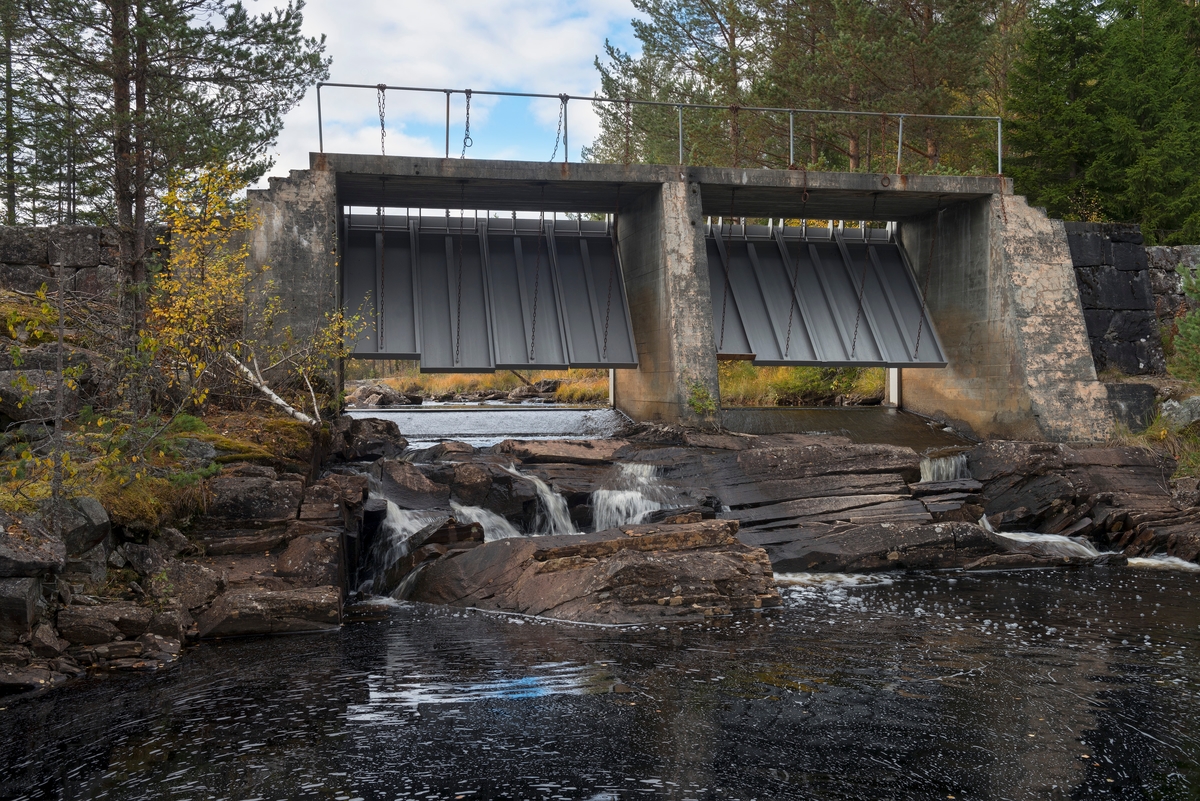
(1166, 283)
(89, 255)
(1116, 288)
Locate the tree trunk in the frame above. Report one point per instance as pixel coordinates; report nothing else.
(852, 151)
(10, 137)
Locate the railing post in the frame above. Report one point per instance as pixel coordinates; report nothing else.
(791, 138)
(899, 144)
(566, 148)
(680, 110)
(999, 147)
(447, 91)
(320, 125)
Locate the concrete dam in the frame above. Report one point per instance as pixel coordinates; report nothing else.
(964, 292)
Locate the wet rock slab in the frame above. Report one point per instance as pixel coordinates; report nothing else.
(630, 575)
(261, 611)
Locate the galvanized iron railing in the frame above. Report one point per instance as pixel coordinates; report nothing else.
(565, 98)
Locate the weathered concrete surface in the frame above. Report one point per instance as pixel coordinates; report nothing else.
(296, 237)
(640, 573)
(1003, 295)
(666, 279)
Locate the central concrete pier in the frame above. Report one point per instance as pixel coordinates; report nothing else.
(996, 273)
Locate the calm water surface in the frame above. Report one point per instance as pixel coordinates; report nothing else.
(1026, 685)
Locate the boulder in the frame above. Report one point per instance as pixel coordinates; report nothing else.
(404, 485)
(258, 611)
(24, 679)
(253, 499)
(631, 575)
(27, 548)
(471, 484)
(356, 439)
(94, 625)
(192, 584)
(18, 607)
(46, 642)
(29, 394)
(1181, 414)
(172, 621)
(85, 525)
(583, 451)
(313, 560)
(90, 567)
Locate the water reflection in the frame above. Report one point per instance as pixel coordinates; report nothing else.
(1022, 685)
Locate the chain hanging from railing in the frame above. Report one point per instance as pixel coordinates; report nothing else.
(562, 114)
(381, 102)
(467, 140)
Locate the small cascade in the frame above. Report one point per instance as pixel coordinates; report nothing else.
(495, 527)
(553, 515)
(637, 493)
(1052, 545)
(391, 543)
(945, 468)
(613, 508)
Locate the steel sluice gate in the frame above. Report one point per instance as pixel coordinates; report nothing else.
(828, 297)
(497, 293)
(494, 293)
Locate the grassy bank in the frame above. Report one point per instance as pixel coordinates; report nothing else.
(743, 384)
(578, 386)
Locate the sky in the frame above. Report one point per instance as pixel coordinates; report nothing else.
(545, 46)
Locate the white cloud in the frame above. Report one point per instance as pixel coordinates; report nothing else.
(510, 45)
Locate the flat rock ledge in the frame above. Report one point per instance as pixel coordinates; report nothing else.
(634, 574)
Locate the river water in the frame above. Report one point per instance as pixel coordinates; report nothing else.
(1020, 685)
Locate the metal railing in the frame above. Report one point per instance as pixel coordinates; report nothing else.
(564, 99)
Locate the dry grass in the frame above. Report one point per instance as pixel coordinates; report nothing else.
(744, 384)
(578, 386)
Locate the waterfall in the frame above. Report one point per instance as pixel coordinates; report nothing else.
(637, 493)
(495, 527)
(553, 516)
(945, 468)
(391, 542)
(614, 508)
(1031, 542)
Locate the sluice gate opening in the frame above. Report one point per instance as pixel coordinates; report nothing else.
(832, 297)
(479, 293)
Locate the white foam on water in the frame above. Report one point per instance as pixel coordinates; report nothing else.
(833, 579)
(945, 468)
(1163, 562)
(553, 517)
(395, 530)
(495, 527)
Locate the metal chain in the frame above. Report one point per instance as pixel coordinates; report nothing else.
(381, 101)
(537, 275)
(562, 107)
(795, 267)
(458, 318)
(937, 222)
(862, 287)
(467, 140)
(728, 262)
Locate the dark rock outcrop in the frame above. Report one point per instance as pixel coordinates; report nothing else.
(94, 625)
(252, 497)
(259, 611)
(878, 546)
(618, 576)
(18, 607)
(27, 548)
(365, 439)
